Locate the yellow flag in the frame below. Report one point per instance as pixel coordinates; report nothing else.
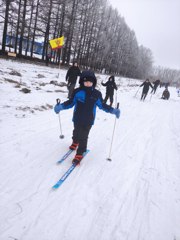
(57, 43)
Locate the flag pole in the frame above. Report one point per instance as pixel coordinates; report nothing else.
(56, 44)
(60, 60)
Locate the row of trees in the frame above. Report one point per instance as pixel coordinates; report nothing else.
(95, 34)
(166, 75)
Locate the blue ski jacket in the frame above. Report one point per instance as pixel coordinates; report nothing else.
(85, 100)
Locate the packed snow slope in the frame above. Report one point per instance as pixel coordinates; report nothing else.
(136, 196)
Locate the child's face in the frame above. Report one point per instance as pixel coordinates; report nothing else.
(88, 84)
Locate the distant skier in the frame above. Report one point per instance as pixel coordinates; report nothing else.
(71, 77)
(166, 94)
(110, 86)
(84, 99)
(146, 84)
(156, 84)
(178, 92)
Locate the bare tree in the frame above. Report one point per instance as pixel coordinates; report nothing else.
(95, 34)
(166, 75)
(22, 27)
(7, 4)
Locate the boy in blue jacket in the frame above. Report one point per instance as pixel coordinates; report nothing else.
(84, 99)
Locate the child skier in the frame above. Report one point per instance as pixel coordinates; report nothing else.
(156, 84)
(145, 90)
(110, 86)
(85, 99)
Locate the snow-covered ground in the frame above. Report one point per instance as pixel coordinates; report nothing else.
(136, 196)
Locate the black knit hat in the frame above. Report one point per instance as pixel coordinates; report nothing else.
(112, 78)
(87, 75)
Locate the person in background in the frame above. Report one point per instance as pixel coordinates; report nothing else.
(71, 77)
(166, 94)
(156, 84)
(110, 86)
(178, 92)
(84, 99)
(146, 84)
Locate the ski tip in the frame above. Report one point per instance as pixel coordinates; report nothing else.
(56, 186)
(59, 162)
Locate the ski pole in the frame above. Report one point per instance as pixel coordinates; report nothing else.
(136, 92)
(61, 135)
(109, 158)
(150, 97)
(116, 98)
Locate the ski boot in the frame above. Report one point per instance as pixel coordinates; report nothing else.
(77, 159)
(73, 146)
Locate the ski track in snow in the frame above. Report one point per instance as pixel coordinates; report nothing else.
(136, 196)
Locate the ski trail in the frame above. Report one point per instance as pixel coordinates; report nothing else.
(134, 197)
(138, 203)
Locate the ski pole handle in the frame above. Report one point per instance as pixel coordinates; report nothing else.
(117, 105)
(58, 101)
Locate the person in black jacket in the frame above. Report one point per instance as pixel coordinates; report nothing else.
(84, 99)
(71, 77)
(110, 86)
(145, 90)
(156, 84)
(166, 94)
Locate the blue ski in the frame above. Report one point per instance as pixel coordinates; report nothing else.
(66, 155)
(67, 173)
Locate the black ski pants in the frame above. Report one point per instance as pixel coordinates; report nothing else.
(110, 96)
(144, 94)
(71, 87)
(80, 135)
(154, 89)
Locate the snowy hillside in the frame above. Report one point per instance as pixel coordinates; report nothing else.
(136, 196)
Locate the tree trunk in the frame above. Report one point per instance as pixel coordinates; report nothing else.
(35, 24)
(17, 28)
(5, 27)
(29, 28)
(46, 36)
(22, 28)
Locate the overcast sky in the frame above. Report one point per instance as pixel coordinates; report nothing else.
(157, 26)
